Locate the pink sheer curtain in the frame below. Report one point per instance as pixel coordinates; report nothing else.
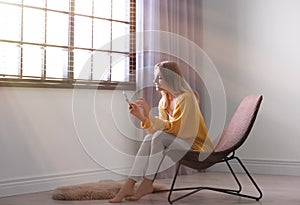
(174, 19)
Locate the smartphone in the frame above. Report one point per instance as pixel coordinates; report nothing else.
(126, 98)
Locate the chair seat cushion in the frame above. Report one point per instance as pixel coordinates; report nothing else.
(201, 160)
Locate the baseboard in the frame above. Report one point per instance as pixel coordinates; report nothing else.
(271, 167)
(50, 182)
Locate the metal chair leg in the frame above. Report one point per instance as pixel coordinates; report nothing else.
(235, 177)
(222, 190)
(251, 179)
(173, 184)
(171, 201)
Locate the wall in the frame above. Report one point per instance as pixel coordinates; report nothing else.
(255, 47)
(55, 137)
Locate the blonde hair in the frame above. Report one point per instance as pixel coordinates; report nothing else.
(172, 74)
(170, 65)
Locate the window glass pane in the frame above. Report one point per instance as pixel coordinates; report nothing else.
(9, 58)
(34, 25)
(32, 60)
(120, 68)
(83, 32)
(120, 36)
(101, 65)
(38, 36)
(83, 7)
(57, 62)
(82, 64)
(121, 10)
(10, 22)
(37, 3)
(102, 9)
(102, 34)
(57, 28)
(61, 5)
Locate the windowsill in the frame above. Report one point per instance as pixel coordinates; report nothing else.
(68, 84)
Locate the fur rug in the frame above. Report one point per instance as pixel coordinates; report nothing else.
(93, 191)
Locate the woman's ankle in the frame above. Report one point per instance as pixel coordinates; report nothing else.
(127, 189)
(146, 187)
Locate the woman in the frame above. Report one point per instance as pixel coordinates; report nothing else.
(179, 126)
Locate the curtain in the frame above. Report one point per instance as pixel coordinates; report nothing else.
(164, 24)
(174, 26)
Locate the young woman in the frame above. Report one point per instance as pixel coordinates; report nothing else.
(179, 126)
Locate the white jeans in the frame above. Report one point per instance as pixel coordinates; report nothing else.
(153, 151)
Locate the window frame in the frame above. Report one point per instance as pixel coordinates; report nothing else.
(69, 82)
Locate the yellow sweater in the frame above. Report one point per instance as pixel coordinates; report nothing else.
(186, 122)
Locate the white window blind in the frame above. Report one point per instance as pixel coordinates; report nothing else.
(57, 43)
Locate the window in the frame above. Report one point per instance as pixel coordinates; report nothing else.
(60, 43)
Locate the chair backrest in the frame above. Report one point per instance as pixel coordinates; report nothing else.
(240, 125)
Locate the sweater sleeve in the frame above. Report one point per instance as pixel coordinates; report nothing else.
(157, 122)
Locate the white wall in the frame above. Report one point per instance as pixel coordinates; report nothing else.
(255, 47)
(54, 137)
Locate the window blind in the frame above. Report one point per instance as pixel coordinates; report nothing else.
(61, 43)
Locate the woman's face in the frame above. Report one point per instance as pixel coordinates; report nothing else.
(159, 81)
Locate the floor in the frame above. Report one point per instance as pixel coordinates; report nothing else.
(278, 190)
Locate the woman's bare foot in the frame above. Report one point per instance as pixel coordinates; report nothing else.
(146, 187)
(126, 190)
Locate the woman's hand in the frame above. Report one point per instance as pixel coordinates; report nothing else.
(141, 102)
(135, 111)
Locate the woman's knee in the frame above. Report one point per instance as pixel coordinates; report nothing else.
(158, 133)
(154, 136)
(148, 137)
(158, 137)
